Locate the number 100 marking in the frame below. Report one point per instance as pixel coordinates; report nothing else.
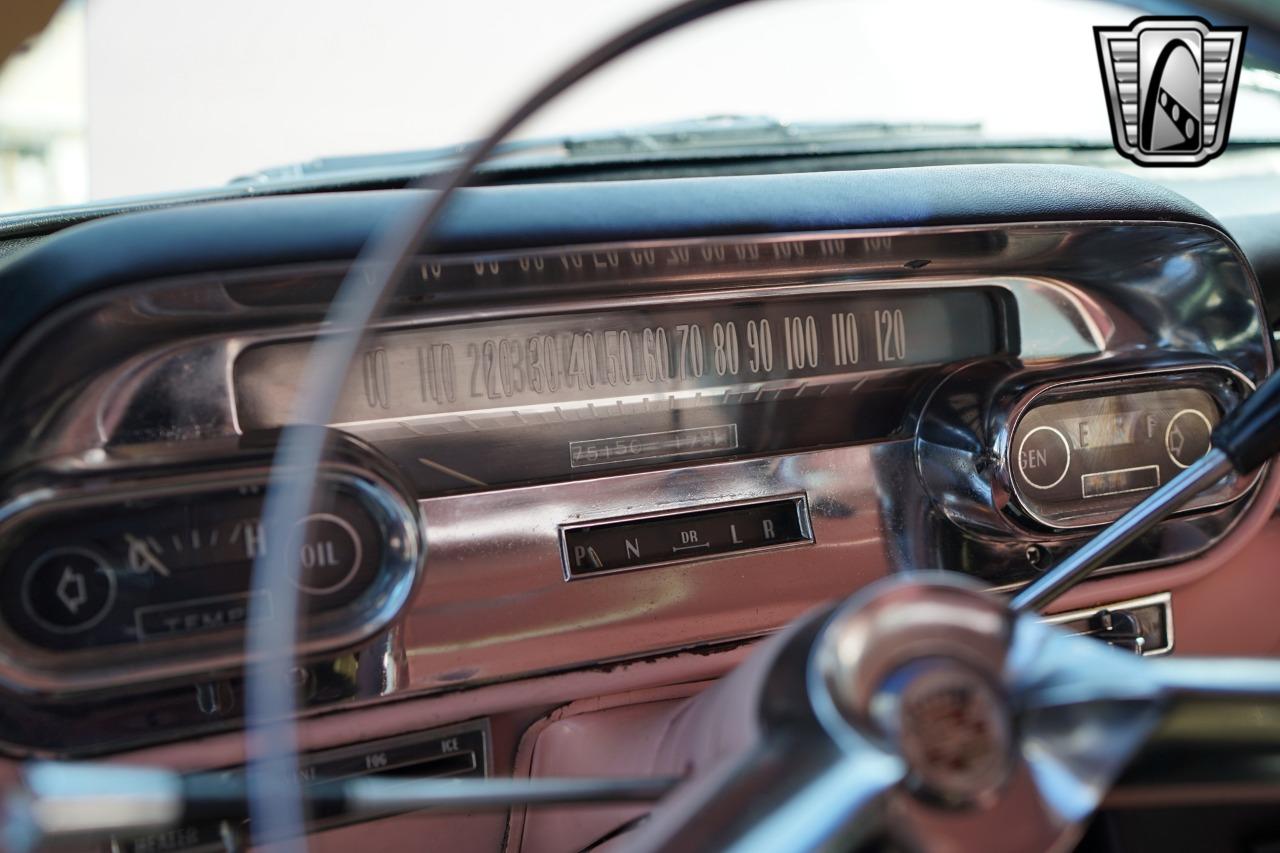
(801, 336)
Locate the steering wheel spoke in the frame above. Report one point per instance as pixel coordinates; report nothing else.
(1218, 741)
(790, 792)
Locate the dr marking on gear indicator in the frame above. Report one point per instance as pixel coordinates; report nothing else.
(1170, 85)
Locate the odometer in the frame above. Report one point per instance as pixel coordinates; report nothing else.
(640, 385)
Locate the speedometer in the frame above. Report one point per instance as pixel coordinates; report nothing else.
(585, 391)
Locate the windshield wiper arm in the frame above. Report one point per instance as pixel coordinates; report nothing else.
(734, 131)
(711, 133)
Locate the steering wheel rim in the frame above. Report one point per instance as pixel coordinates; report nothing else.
(275, 792)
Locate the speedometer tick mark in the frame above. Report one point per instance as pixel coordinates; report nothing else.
(444, 469)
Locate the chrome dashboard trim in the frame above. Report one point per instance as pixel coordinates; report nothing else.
(492, 604)
(205, 356)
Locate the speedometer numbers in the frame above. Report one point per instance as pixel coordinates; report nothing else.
(568, 394)
(576, 362)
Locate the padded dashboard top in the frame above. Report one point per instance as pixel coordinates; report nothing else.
(226, 235)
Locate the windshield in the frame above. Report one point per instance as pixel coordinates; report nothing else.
(127, 97)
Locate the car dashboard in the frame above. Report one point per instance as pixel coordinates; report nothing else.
(604, 437)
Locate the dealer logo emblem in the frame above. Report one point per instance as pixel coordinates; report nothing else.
(1170, 85)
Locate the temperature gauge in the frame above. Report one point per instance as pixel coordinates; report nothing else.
(174, 565)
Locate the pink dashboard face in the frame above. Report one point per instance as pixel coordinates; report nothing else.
(772, 494)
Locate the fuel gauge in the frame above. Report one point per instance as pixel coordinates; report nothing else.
(1086, 454)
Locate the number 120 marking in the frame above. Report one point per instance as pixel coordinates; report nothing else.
(891, 335)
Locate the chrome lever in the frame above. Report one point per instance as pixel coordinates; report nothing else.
(60, 803)
(1211, 468)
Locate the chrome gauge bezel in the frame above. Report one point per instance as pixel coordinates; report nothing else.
(964, 454)
(24, 666)
(1136, 382)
